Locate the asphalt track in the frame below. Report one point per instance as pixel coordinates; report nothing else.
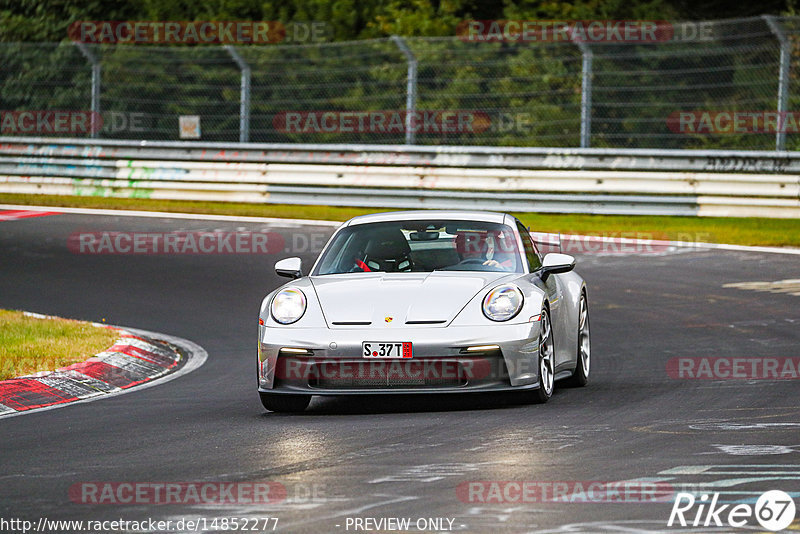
(404, 457)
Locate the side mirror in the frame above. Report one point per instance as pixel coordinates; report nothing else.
(555, 263)
(289, 267)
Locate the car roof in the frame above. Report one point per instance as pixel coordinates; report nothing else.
(416, 215)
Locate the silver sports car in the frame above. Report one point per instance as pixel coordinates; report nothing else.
(423, 302)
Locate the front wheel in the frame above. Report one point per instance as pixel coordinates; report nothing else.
(546, 360)
(581, 375)
(285, 403)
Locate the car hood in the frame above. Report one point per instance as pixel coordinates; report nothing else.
(434, 299)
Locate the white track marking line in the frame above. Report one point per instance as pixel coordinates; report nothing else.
(176, 215)
(313, 222)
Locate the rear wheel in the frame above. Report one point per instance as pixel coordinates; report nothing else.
(581, 375)
(285, 403)
(546, 360)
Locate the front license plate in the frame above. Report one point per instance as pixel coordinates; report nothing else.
(386, 349)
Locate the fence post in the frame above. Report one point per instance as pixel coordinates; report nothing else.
(95, 105)
(586, 92)
(244, 98)
(411, 87)
(783, 78)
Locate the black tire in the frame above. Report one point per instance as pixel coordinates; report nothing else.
(285, 403)
(580, 377)
(546, 361)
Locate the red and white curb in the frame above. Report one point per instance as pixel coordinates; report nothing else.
(13, 215)
(138, 359)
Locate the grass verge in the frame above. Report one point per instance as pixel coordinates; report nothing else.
(29, 344)
(733, 230)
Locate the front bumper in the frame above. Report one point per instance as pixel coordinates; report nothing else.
(441, 363)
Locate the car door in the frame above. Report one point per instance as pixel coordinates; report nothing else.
(554, 289)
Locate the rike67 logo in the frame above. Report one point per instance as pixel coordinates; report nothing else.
(774, 510)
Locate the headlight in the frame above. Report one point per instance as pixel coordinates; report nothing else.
(502, 303)
(288, 306)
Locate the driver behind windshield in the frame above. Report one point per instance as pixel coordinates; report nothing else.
(484, 248)
(421, 246)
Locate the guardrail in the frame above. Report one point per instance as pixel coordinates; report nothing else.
(608, 181)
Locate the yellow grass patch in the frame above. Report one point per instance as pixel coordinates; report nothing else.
(29, 344)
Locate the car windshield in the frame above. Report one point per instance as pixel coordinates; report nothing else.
(422, 246)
